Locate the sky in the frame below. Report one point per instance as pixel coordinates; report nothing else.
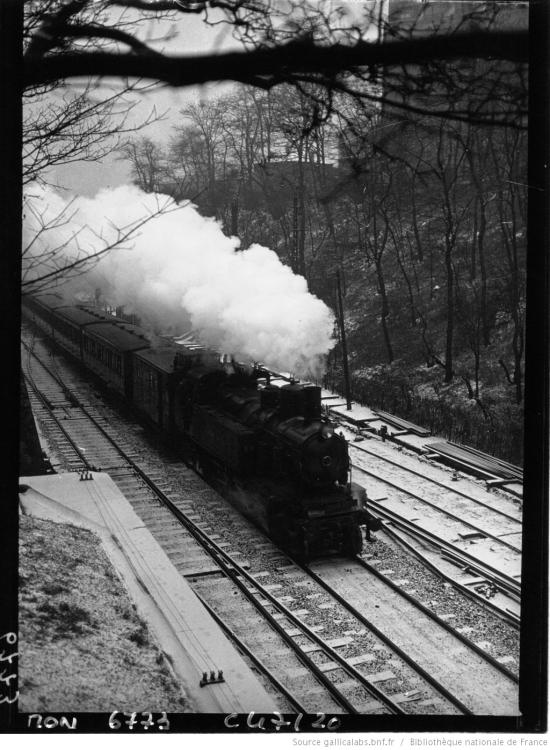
(86, 178)
(193, 36)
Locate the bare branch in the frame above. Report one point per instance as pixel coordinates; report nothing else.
(66, 267)
(156, 6)
(90, 31)
(268, 67)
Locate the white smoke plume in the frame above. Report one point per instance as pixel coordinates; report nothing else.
(179, 271)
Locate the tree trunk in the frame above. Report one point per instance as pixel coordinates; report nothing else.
(385, 310)
(485, 322)
(295, 232)
(419, 249)
(301, 221)
(235, 217)
(517, 344)
(450, 311)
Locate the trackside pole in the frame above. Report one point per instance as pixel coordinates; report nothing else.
(344, 343)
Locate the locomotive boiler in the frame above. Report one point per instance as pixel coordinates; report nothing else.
(280, 461)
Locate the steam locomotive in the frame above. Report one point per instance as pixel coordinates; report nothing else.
(266, 446)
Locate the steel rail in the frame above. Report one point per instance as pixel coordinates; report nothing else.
(253, 658)
(402, 654)
(433, 616)
(46, 403)
(505, 615)
(444, 512)
(328, 650)
(231, 568)
(436, 482)
(234, 572)
(504, 582)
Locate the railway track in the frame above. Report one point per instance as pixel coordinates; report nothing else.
(448, 493)
(471, 581)
(336, 674)
(458, 537)
(390, 605)
(45, 400)
(483, 563)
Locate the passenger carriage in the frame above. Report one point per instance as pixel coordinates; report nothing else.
(107, 351)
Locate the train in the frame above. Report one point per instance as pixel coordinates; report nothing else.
(264, 443)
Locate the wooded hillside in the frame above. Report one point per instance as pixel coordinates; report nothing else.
(424, 216)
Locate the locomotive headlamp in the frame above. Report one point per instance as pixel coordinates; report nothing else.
(327, 431)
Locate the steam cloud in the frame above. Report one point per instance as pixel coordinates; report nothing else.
(180, 271)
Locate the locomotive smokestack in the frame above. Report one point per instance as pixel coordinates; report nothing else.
(312, 403)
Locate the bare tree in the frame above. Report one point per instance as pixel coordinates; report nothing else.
(64, 127)
(82, 121)
(511, 199)
(319, 50)
(58, 248)
(300, 43)
(148, 164)
(69, 123)
(374, 232)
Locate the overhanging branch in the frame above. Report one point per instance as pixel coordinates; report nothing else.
(285, 63)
